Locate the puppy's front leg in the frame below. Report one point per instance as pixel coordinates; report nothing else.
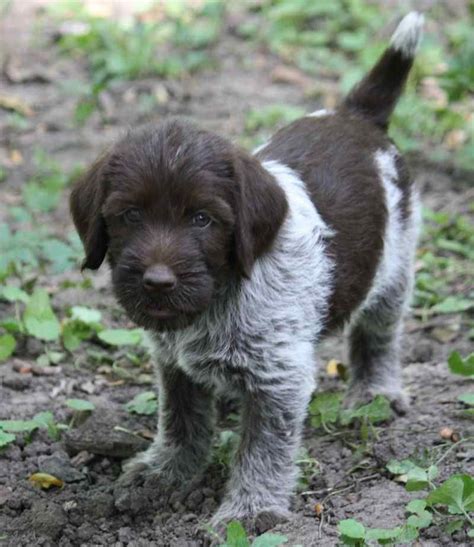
(265, 471)
(181, 448)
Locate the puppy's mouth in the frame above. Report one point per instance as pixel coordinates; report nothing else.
(160, 312)
(172, 311)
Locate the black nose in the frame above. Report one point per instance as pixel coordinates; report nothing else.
(159, 278)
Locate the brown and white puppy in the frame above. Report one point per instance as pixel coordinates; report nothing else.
(238, 264)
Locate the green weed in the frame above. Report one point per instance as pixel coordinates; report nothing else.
(237, 537)
(170, 45)
(331, 38)
(144, 403)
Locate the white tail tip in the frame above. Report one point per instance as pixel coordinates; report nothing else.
(407, 35)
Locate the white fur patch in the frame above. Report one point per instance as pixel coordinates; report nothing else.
(400, 236)
(407, 35)
(273, 318)
(260, 147)
(321, 113)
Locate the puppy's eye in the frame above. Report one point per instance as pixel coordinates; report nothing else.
(201, 220)
(132, 216)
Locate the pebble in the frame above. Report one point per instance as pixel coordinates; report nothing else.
(19, 382)
(59, 465)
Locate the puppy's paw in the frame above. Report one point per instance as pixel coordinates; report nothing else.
(361, 394)
(141, 487)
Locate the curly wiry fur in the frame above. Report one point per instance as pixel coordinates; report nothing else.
(315, 231)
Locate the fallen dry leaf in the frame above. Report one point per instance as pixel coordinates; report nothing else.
(16, 157)
(318, 509)
(9, 102)
(45, 481)
(455, 138)
(290, 75)
(336, 369)
(445, 334)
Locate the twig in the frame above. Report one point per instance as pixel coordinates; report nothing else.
(452, 447)
(332, 490)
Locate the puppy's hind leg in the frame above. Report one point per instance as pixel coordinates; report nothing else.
(374, 348)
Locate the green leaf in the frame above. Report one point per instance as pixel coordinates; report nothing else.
(408, 534)
(453, 304)
(417, 479)
(7, 346)
(324, 408)
(45, 420)
(6, 438)
(269, 540)
(454, 526)
(351, 528)
(18, 426)
(376, 411)
(14, 294)
(400, 468)
(60, 255)
(458, 365)
(467, 398)
(143, 403)
(121, 337)
(80, 405)
(457, 493)
(89, 316)
(39, 318)
(421, 520)
(383, 535)
(236, 535)
(416, 506)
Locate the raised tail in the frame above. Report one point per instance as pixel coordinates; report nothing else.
(377, 94)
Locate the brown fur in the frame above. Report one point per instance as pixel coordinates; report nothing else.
(334, 155)
(168, 173)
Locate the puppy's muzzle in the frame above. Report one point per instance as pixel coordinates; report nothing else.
(159, 279)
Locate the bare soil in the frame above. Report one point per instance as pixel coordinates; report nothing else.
(89, 458)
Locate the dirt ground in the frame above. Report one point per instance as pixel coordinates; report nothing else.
(89, 458)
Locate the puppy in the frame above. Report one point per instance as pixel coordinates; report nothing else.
(238, 264)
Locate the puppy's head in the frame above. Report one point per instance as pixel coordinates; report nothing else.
(179, 212)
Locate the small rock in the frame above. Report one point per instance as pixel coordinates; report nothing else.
(85, 531)
(125, 534)
(422, 352)
(82, 458)
(39, 370)
(69, 505)
(59, 465)
(194, 499)
(5, 494)
(188, 517)
(47, 519)
(98, 436)
(17, 382)
(99, 505)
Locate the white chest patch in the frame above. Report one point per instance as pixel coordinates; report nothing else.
(273, 317)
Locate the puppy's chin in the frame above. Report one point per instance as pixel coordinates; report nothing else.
(162, 322)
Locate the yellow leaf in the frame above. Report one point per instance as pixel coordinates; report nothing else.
(335, 369)
(45, 481)
(9, 102)
(331, 368)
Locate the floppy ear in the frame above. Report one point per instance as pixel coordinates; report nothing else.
(261, 207)
(85, 202)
